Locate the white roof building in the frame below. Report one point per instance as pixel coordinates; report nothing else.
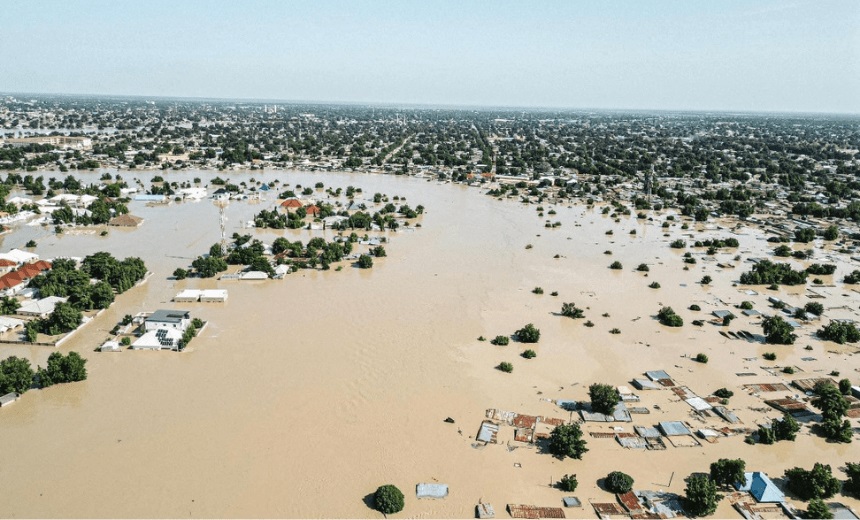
(41, 308)
(158, 339)
(21, 257)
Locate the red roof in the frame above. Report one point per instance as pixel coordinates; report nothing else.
(312, 210)
(7, 263)
(291, 203)
(12, 279)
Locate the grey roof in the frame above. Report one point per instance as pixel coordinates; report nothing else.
(751, 312)
(722, 314)
(726, 414)
(425, 490)
(571, 502)
(647, 432)
(670, 428)
(169, 316)
(645, 384)
(655, 375)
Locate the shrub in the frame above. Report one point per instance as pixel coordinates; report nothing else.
(616, 265)
(589, 323)
(643, 268)
(746, 305)
(528, 334)
(678, 244)
(388, 499)
(654, 285)
(618, 482)
(668, 317)
(537, 290)
(365, 261)
(701, 358)
(853, 277)
(180, 273)
(570, 310)
(615, 331)
(568, 483)
(695, 307)
(788, 370)
(724, 393)
(529, 354)
(500, 341)
(506, 367)
(706, 280)
(770, 356)
(814, 308)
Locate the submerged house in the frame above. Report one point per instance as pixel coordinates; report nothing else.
(760, 487)
(167, 319)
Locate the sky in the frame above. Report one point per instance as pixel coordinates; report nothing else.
(731, 55)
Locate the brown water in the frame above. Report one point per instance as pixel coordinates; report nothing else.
(305, 394)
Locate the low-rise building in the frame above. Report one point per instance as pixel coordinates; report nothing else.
(167, 320)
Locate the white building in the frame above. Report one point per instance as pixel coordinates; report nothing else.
(158, 339)
(167, 320)
(41, 308)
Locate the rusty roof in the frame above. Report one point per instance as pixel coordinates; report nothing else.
(525, 421)
(767, 387)
(526, 511)
(608, 508)
(630, 501)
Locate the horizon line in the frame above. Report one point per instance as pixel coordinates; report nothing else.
(427, 106)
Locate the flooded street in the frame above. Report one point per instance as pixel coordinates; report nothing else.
(303, 395)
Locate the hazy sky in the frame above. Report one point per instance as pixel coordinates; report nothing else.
(725, 55)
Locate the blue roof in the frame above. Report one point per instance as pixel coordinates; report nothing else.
(761, 487)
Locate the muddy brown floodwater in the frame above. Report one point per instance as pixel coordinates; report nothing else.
(305, 394)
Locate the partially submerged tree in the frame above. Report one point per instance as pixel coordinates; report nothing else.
(778, 331)
(726, 472)
(701, 496)
(818, 482)
(604, 398)
(566, 440)
(618, 482)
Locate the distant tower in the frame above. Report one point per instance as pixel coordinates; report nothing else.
(648, 181)
(222, 220)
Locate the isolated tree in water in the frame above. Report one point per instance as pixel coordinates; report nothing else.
(566, 440)
(388, 499)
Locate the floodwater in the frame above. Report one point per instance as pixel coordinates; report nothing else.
(305, 394)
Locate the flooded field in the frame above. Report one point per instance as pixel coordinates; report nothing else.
(305, 394)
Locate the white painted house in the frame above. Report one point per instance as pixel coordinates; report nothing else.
(167, 320)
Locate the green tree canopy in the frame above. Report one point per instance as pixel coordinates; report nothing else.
(701, 496)
(388, 499)
(16, 375)
(604, 398)
(726, 472)
(566, 440)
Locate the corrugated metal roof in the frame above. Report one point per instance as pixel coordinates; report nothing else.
(427, 490)
(656, 375)
(670, 428)
(525, 511)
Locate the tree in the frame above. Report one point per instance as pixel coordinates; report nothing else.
(833, 407)
(208, 267)
(852, 485)
(618, 482)
(180, 273)
(778, 331)
(726, 472)
(831, 233)
(388, 499)
(817, 509)
(840, 332)
(65, 318)
(804, 235)
(101, 295)
(570, 310)
(604, 398)
(365, 261)
(701, 496)
(63, 369)
(818, 482)
(566, 440)
(9, 305)
(16, 375)
(785, 429)
(528, 334)
(616, 265)
(568, 483)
